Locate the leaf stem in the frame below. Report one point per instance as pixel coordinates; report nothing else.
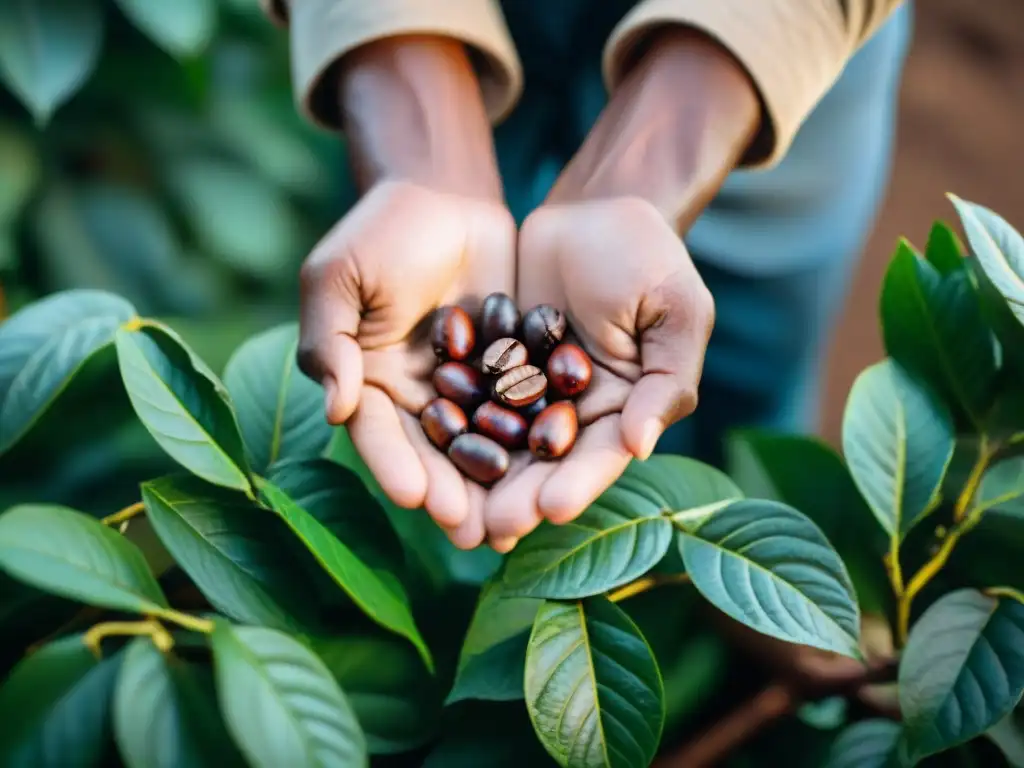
(125, 514)
(94, 637)
(970, 488)
(645, 583)
(194, 623)
(1010, 592)
(895, 570)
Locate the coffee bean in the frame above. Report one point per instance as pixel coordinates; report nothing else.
(543, 328)
(443, 421)
(499, 317)
(531, 411)
(451, 334)
(460, 383)
(479, 458)
(553, 432)
(569, 370)
(505, 427)
(503, 355)
(521, 386)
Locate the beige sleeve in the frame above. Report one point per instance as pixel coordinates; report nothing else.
(322, 31)
(794, 50)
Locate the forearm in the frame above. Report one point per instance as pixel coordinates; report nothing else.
(673, 130)
(411, 110)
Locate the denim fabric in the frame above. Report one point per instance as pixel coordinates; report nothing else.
(777, 248)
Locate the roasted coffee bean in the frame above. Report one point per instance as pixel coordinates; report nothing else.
(443, 421)
(569, 370)
(452, 335)
(521, 386)
(479, 458)
(463, 385)
(553, 432)
(505, 427)
(499, 317)
(504, 355)
(543, 329)
(531, 411)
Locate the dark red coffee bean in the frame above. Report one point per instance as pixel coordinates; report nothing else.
(443, 421)
(452, 335)
(463, 385)
(569, 370)
(505, 427)
(503, 355)
(521, 386)
(553, 432)
(543, 329)
(479, 458)
(531, 411)
(499, 317)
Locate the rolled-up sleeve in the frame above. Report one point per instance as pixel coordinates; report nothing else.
(323, 31)
(793, 50)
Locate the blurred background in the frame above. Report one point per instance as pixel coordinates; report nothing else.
(161, 158)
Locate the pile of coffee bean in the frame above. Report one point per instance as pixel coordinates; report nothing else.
(504, 384)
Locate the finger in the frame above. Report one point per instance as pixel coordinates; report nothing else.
(470, 534)
(377, 435)
(446, 500)
(512, 509)
(503, 545)
(675, 325)
(596, 461)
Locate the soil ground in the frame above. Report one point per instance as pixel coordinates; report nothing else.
(961, 130)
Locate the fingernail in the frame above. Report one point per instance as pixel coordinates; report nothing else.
(649, 438)
(504, 545)
(330, 393)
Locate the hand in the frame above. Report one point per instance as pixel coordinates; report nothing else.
(637, 305)
(368, 290)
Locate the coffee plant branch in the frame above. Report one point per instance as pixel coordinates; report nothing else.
(1010, 592)
(125, 514)
(646, 583)
(151, 628)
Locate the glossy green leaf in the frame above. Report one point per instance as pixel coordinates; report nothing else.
(999, 249)
(280, 702)
(769, 567)
(1001, 319)
(239, 555)
(494, 649)
(898, 440)
(593, 689)
(962, 670)
(384, 601)
(620, 536)
(21, 167)
(867, 744)
(43, 347)
(280, 411)
(182, 28)
(165, 713)
(48, 49)
(933, 327)
(75, 556)
(394, 697)
(1001, 492)
(944, 250)
(55, 705)
(182, 404)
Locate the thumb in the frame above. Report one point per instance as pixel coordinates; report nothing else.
(675, 325)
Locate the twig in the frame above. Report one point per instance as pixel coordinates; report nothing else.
(646, 583)
(125, 514)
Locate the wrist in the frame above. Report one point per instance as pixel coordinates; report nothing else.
(412, 110)
(673, 130)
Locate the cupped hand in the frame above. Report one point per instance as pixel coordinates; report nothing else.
(636, 303)
(368, 291)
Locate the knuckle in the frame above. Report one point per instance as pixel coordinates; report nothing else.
(704, 305)
(637, 212)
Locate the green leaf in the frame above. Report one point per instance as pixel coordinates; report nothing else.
(999, 249)
(280, 411)
(182, 28)
(165, 713)
(43, 347)
(867, 744)
(394, 697)
(280, 702)
(944, 250)
(1002, 489)
(962, 670)
(182, 404)
(1008, 735)
(494, 650)
(898, 440)
(55, 706)
(593, 689)
(933, 327)
(769, 567)
(75, 556)
(239, 555)
(620, 536)
(1003, 322)
(48, 49)
(383, 601)
(239, 217)
(21, 167)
